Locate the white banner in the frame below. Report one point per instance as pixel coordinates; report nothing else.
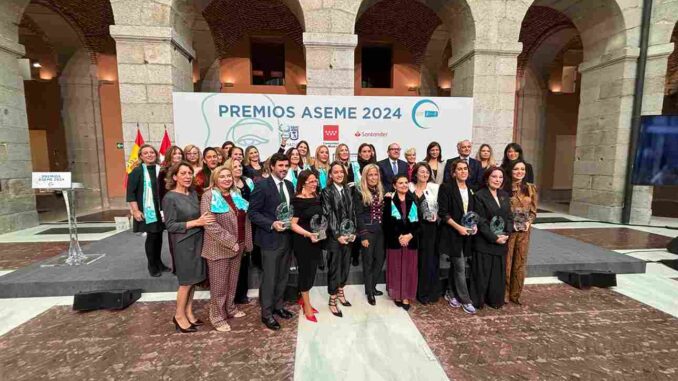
(206, 119)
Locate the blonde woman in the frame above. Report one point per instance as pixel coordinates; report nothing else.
(485, 156)
(224, 243)
(321, 164)
(252, 167)
(369, 202)
(411, 160)
(193, 157)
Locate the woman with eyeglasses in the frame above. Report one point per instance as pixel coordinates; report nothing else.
(192, 154)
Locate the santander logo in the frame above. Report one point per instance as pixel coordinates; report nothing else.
(331, 132)
(357, 134)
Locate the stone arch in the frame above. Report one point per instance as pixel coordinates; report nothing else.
(437, 49)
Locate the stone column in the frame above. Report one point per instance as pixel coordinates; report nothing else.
(603, 131)
(17, 200)
(489, 76)
(330, 63)
(152, 63)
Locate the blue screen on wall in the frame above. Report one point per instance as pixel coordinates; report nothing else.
(656, 161)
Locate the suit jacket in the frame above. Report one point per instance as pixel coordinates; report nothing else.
(135, 192)
(451, 207)
(487, 208)
(475, 172)
(337, 208)
(363, 213)
(387, 174)
(263, 202)
(394, 228)
(221, 237)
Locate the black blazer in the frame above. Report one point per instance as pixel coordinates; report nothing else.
(451, 207)
(387, 174)
(337, 208)
(135, 192)
(264, 199)
(394, 228)
(363, 216)
(475, 173)
(486, 207)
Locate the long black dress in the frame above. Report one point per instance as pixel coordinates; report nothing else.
(243, 274)
(428, 264)
(307, 253)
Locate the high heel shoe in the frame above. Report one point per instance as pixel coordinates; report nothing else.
(300, 302)
(340, 295)
(333, 303)
(182, 330)
(311, 318)
(196, 323)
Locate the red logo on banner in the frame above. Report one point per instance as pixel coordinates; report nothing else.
(331, 132)
(357, 134)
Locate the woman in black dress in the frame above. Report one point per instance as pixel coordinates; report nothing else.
(488, 263)
(245, 186)
(184, 229)
(513, 152)
(306, 244)
(144, 202)
(252, 167)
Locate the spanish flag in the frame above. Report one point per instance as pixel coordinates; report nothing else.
(134, 154)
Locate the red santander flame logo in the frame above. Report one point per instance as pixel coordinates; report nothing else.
(357, 134)
(331, 133)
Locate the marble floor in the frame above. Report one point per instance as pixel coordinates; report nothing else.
(626, 332)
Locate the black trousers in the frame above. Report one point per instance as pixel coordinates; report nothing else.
(428, 287)
(339, 262)
(276, 270)
(153, 248)
(487, 284)
(243, 276)
(373, 259)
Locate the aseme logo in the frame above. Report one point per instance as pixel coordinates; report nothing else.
(331, 132)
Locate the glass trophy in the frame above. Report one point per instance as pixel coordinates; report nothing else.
(497, 225)
(347, 229)
(520, 219)
(429, 211)
(470, 221)
(283, 213)
(319, 226)
(284, 132)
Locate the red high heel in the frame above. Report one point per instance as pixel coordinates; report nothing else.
(311, 318)
(300, 302)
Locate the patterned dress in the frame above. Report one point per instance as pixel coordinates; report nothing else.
(519, 241)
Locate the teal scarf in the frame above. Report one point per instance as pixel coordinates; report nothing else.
(219, 204)
(292, 177)
(249, 182)
(356, 173)
(323, 178)
(412, 215)
(149, 206)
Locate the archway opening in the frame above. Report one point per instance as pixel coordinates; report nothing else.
(73, 101)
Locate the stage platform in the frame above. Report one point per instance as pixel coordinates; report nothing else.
(124, 267)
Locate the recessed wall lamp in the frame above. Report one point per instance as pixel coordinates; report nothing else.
(228, 84)
(302, 87)
(37, 64)
(106, 82)
(413, 88)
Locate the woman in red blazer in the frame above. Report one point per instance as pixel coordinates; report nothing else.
(225, 242)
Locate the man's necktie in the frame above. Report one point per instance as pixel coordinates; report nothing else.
(283, 199)
(394, 167)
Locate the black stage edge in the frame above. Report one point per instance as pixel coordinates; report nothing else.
(124, 267)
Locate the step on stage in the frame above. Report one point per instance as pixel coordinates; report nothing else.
(124, 267)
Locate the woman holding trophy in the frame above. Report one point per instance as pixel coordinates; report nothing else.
(459, 222)
(307, 223)
(369, 201)
(425, 193)
(524, 209)
(401, 226)
(337, 204)
(495, 224)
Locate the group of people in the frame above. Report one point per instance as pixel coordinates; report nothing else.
(223, 204)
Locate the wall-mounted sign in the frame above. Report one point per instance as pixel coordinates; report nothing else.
(51, 180)
(119, 145)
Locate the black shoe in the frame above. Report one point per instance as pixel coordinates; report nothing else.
(333, 304)
(406, 307)
(155, 273)
(283, 313)
(371, 300)
(197, 323)
(271, 323)
(355, 261)
(340, 295)
(244, 300)
(178, 328)
(378, 293)
(423, 301)
(397, 303)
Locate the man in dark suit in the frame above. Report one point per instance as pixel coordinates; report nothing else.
(275, 241)
(475, 169)
(391, 167)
